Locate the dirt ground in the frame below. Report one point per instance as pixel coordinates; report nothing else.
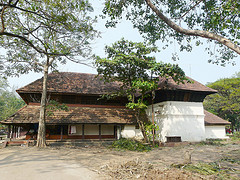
(105, 163)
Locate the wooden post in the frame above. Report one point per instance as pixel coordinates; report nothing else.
(100, 133)
(115, 132)
(13, 136)
(61, 132)
(9, 131)
(83, 131)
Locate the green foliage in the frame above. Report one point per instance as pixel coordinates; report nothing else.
(131, 145)
(149, 127)
(219, 17)
(55, 106)
(206, 169)
(226, 102)
(236, 136)
(203, 168)
(9, 102)
(33, 30)
(137, 72)
(130, 64)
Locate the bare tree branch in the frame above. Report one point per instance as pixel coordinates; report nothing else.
(31, 44)
(191, 8)
(21, 9)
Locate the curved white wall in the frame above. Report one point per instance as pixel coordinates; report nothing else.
(185, 119)
(215, 132)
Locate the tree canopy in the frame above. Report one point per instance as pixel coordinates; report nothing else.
(226, 102)
(137, 71)
(39, 34)
(183, 21)
(32, 30)
(9, 102)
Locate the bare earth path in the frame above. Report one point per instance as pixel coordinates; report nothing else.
(17, 163)
(30, 163)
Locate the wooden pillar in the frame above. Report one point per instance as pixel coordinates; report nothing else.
(100, 131)
(83, 131)
(115, 131)
(61, 132)
(13, 131)
(9, 131)
(19, 131)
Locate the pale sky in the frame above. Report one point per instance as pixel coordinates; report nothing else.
(195, 64)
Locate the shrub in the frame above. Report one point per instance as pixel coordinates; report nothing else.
(131, 145)
(236, 136)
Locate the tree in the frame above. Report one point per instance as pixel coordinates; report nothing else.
(226, 102)
(183, 21)
(39, 34)
(130, 64)
(9, 103)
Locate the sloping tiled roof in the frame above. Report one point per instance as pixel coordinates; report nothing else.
(211, 119)
(189, 86)
(81, 83)
(30, 114)
(69, 82)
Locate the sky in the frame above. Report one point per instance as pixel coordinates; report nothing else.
(195, 64)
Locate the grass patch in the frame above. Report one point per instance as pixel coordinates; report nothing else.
(131, 145)
(208, 169)
(203, 168)
(213, 142)
(232, 157)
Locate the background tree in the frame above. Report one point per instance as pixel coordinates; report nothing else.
(226, 102)
(9, 102)
(182, 21)
(39, 34)
(130, 64)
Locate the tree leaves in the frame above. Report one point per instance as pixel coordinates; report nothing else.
(212, 16)
(33, 30)
(226, 102)
(9, 103)
(131, 64)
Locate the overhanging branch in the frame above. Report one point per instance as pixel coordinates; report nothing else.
(199, 33)
(31, 44)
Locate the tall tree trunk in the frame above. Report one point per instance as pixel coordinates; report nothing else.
(153, 130)
(141, 126)
(41, 138)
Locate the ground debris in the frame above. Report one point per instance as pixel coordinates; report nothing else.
(136, 169)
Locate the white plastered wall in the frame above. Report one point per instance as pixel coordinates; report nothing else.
(215, 132)
(185, 119)
(130, 131)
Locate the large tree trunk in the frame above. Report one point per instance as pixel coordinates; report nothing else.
(41, 138)
(141, 125)
(153, 130)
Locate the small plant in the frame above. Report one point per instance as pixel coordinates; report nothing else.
(131, 145)
(236, 136)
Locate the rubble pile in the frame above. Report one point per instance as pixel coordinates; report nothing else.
(136, 169)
